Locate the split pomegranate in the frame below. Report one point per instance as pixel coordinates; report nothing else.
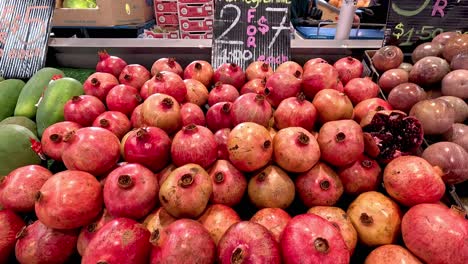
(258, 70)
(295, 112)
(68, 200)
(134, 75)
(165, 83)
(253, 86)
(312, 62)
(53, 139)
(11, 224)
(91, 149)
(387, 57)
(292, 68)
(218, 116)
(274, 219)
(222, 92)
(405, 95)
(221, 138)
(19, 188)
(392, 78)
(248, 242)
(192, 114)
(186, 192)
(229, 184)
(281, 86)
(199, 70)
(309, 238)
(166, 64)
(217, 219)
(129, 243)
(319, 186)
(250, 146)
(372, 104)
(360, 89)
(148, 146)
(295, 149)
(436, 115)
(332, 105)
(131, 191)
(99, 84)
(83, 109)
(429, 71)
(114, 121)
(88, 232)
(137, 117)
(364, 175)
(197, 93)
(38, 243)
(320, 76)
(110, 64)
(391, 254)
(230, 73)
(163, 111)
(194, 144)
(158, 220)
(376, 218)
(123, 98)
(251, 107)
(348, 68)
(264, 188)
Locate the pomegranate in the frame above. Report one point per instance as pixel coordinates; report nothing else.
(281, 86)
(405, 95)
(313, 62)
(248, 242)
(250, 146)
(52, 141)
(230, 73)
(436, 115)
(372, 104)
(332, 105)
(99, 84)
(295, 149)
(319, 186)
(123, 98)
(222, 93)
(292, 68)
(184, 241)
(345, 135)
(456, 45)
(338, 218)
(435, 234)
(360, 89)
(348, 68)
(376, 218)
(130, 191)
(218, 116)
(11, 224)
(295, 112)
(192, 114)
(274, 219)
(89, 232)
(229, 184)
(91, 149)
(258, 70)
(114, 121)
(309, 238)
(129, 243)
(391, 254)
(167, 64)
(251, 107)
(217, 218)
(159, 219)
(271, 188)
(194, 144)
(162, 175)
(320, 76)
(83, 109)
(134, 75)
(186, 192)
(165, 83)
(392, 78)
(199, 70)
(253, 86)
(110, 64)
(429, 71)
(364, 175)
(38, 243)
(19, 187)
(163, 111)
(454, 84)
(197, 93)
(68, 200)
(386, 58)
(148, 146)
(221, 138)
(137, 117)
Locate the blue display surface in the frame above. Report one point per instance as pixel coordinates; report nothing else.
(329, 33)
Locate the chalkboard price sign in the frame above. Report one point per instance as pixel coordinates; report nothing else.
(248, 30)
(24, 35)
(412, 22)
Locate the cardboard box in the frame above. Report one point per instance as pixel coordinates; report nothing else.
(109, 13)
(165, 6)
(196, 24)
(162, 35)
(163, 19)
(197, 35)
(196, 10)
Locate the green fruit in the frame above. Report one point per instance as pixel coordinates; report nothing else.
(15, 148)
(50, 109)
(9, 93)
(21, 121)
(79, 4)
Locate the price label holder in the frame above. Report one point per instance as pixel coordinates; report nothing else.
(24, 35)
(246, 31)
(412, 22)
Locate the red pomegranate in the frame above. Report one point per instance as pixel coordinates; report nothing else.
(230, 73)
(137, 117)
(217, 218)
(218, 116)
(332, 105)
(320, 76)
(387, 254)
(114, 121)
(372, 104)
(360, 89)
(123, 98)
(69, 199)
(222, 92)
(166, 64)
(292, 68)
(274, 219)
(88, 232)
(192, 114)
(11, 224)
(221, 138)
(197, 93)
(165, 83)
(348, 68)
(251, 107)
(53, 139)
(312, 62)
(258, 70)
(253, 86)
(281, 86)
(99, 84)
(229, 184)
(295, 112)
(363, 175)
(162, 175)
(83, 109)
(199, 70)
(110, 64)
(134, 75)
(163, 111)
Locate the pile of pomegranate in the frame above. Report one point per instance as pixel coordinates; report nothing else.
(305, 164)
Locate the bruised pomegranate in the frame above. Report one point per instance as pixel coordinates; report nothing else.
(186, 192)
(391, 254)
(99, 84)
(217, 218)
(199, 70)
(221, 138)
(292, 68)
(320, 76)
(222, 92)
(258, 70)
(360, 89)
(53, 139)
(192, 114)
(218, 116)
(230, 73)
(38, 243)
(11, 224)
(89, 232)
(163, 111)
(110, 64)
(129, 243)
(372, 104)
(91, 149)
(114, 121)
(376, 218)
(295, 112)
(387, 57)
(319, 186)
(134, 75)
(281, 86)
(364, 175)
(248, 242)
(274, 219)
(312, 62)
(253, 86)
(159, 219)
(83, 109)
(332, 105)
(197, 93)
(166, 64)
(123, 98)
(348, 68)
(19, 188)
(68, 200)
(251, 107)
(309, 238)
(229, 184)
(165, 83)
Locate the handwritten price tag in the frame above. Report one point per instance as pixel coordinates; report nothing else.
(247, 31)
(24, 34)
